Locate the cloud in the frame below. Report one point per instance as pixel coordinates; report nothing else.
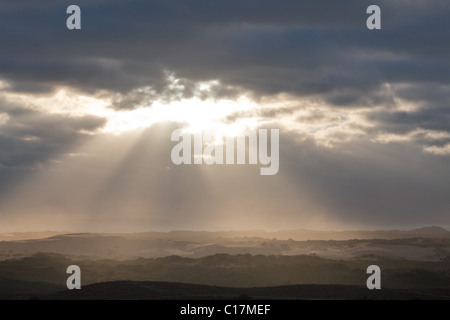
(29, 137)
(445, 150)
(365, 114)
(266, 47)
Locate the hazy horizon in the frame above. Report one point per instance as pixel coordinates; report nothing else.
(269, 231)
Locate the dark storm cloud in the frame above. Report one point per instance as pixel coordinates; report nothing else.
(402, 122)
(432, 94)
(433, 113)
(29, 137)
(266, 47)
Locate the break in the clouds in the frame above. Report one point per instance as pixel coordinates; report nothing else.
(85, 115)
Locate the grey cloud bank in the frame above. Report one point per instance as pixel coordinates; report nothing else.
(396, 80)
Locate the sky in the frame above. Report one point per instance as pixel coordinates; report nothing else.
(86, 115)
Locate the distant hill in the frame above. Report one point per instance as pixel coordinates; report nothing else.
(17, 236)
(299, 235)
(426, 232)
(302, 235)
(128, 290)
(230, 271)
(427, 244)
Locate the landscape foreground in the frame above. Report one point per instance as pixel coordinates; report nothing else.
(297, 264)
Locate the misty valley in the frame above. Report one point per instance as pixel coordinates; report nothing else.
(251, 264)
